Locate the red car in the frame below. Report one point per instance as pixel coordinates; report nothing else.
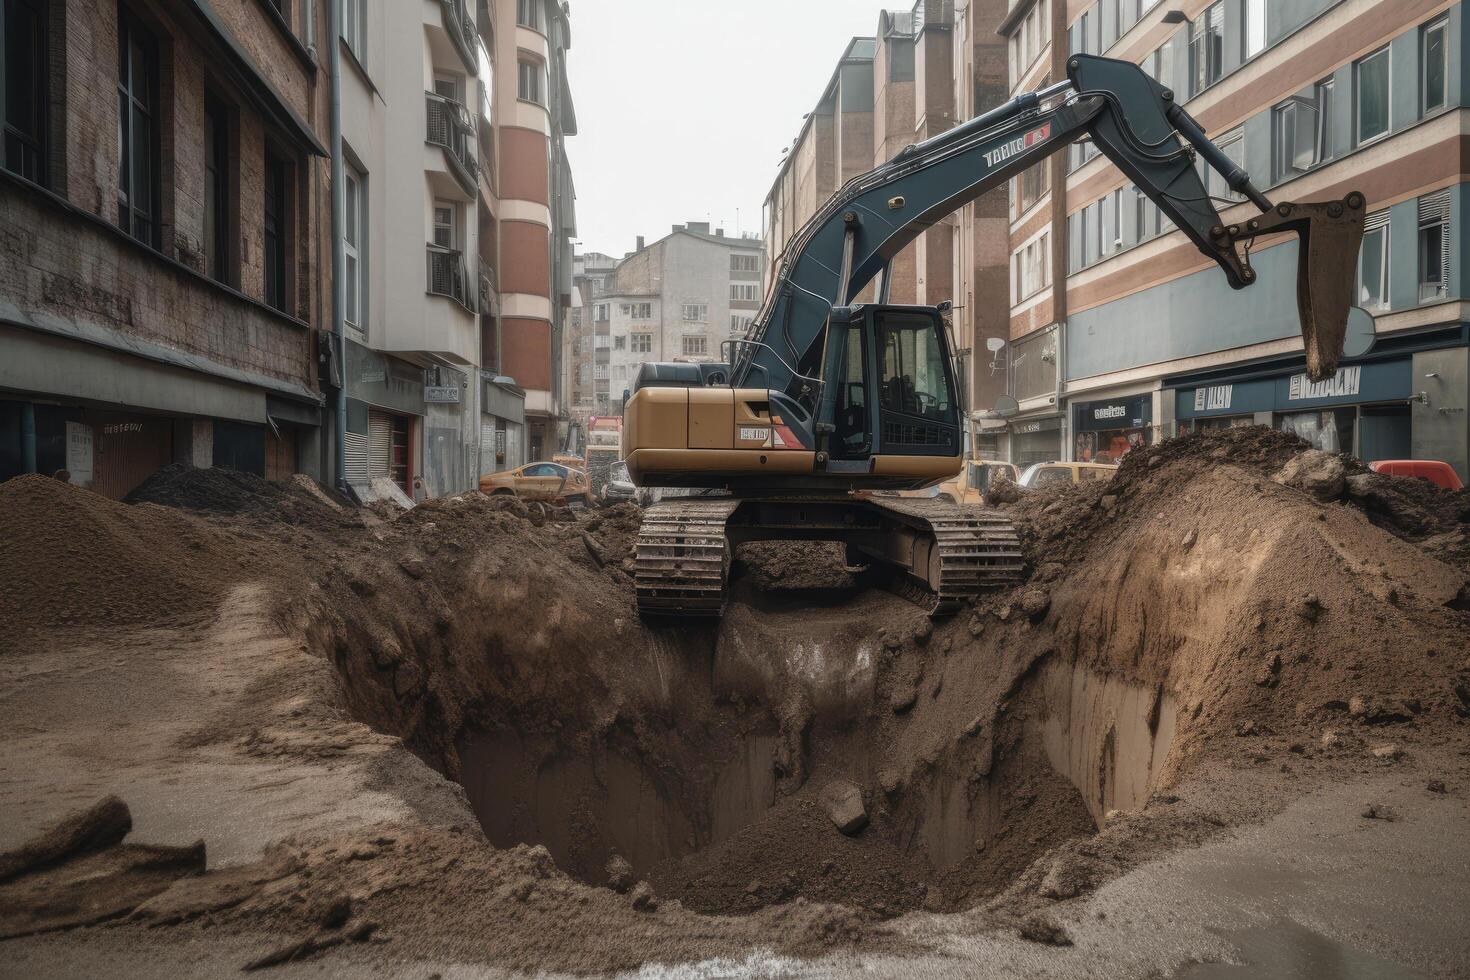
(1438, 473)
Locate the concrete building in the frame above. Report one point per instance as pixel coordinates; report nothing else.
(163, 198)
(925, 69)
(677, 299)
(533, 215)
(586, 349)
(1122, 333)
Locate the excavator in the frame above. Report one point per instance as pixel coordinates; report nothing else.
(827, 399)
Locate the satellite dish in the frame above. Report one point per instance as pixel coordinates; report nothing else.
(994, 344)
(1006, 406)
(1360, 333)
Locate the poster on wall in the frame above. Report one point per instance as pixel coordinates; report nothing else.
(79, 453)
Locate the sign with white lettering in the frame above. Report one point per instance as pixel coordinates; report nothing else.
(79, 453)
(1346, 382)
(1008, 150)
(1110, 412)
(1214, 398)
(441, 394)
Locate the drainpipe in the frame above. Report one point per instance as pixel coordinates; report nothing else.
(339, 261)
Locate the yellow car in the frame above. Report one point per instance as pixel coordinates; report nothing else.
(1045, 474)
(550, 482)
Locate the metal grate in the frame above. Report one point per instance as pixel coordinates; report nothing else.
(913, 434)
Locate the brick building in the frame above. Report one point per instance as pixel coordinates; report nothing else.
(163, 202)
(924, 70)
(1122, 333)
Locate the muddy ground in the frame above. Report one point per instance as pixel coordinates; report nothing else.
(1223, 720)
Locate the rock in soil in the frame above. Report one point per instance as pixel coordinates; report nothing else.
(843, 802)
(620, 875)
(1041, 928)
(96, 828)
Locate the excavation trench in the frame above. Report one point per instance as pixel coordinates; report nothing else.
(706, 772)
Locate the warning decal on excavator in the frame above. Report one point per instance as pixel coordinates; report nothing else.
(1016, 145)
(754, 434)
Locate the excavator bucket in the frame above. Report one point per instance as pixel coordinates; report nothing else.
(1331, 234)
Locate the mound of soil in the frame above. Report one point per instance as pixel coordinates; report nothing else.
(225, 491)
(69, 557)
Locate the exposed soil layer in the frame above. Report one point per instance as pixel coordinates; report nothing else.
(1193, 623)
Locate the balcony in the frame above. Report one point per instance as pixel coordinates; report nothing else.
(461, 30)
(451, 128)
(447, 276)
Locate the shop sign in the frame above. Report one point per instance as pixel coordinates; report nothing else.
(1104, 416)
(1032, 426)
(122, 428)
(441, 394)
(373, 377)
(1213, 399)
(79, 453)
(1345, 383)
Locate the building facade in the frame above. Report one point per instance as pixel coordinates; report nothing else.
(924, 70)
(592, 272)
(678, 299)
(164, 186)
(1122, 333)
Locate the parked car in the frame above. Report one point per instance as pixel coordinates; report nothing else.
(549, 482)
(619, 487)
(1436, 472)
(1045, 474)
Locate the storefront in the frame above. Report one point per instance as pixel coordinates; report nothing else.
(502, 426)
(1105, 431)
(1036, 440)
(1364, 409)
(384, 420)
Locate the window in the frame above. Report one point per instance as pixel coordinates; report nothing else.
(277, 229)
(695, 312)
(137, 130)
(1300, 136)
(1110, 230)
(911, 368)
(601, 342)
(354, 27)
(444, 222)
(740, 324)
(531, 82)
(600, 311)
(744, 263)
(620, 343)
(744, 292)
(695, 346)
(1371, 91)
(1160, 65)
(1373, 263)
(1232, 144)
(217, 191)
(637, 311)
(1079, 38)
(1433, 62)
(1207, 48)
(354, 232)
(1033, 182)
(1032, 34)
(448, 86)
(23, 49)
(529, 13)
(641, 343)
(1434, 246)
(1032, 263)
(1254, 28)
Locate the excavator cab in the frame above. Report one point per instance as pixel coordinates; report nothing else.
(889, 388)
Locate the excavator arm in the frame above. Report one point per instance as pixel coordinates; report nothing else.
(1135, 122)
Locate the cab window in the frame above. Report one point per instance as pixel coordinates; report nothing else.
(539, 469)
(911, 369)
(1053, 474)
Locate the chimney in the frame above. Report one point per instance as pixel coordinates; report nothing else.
(699, 227)
(719, 233)
(640, 243)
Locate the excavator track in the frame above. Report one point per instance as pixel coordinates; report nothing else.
(683, 557)
(976, 549)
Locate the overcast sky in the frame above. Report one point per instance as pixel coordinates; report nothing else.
(683, 106)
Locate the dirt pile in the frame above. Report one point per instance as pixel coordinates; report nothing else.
(69, 557)
(225, 491)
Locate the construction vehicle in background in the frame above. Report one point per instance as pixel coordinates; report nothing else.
(824, 398)
(604, 448)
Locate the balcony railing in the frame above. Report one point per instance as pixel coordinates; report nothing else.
(450, 127)
(489, 294)
(447, 276)
(461, 30)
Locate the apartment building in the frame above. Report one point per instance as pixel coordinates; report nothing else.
(925, 69)
(163, 219)
(1123, 334)
(587, 350)
(677, 299)
(535, 214)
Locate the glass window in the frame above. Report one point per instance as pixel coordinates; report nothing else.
(911, 370)
(529, 13)
(1433, 59)
(1207, 48)
(354, 228)
(277, 230)
(1255, 27)
(1051, 474)
(642, 343)
(216, 190)
(1434, 246)
(1301, 132)
(444, 235)
(696, 312)
(354, 27)
(23, 50)
(694, 346)
(531, 82)
(137, 130)
(1372, 81)
(1373, 263)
